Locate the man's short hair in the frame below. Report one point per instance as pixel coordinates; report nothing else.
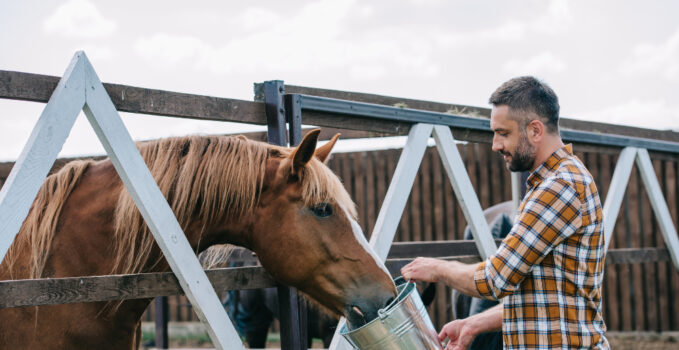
(528, 94)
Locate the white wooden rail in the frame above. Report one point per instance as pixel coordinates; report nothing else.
(80, 89)
(399, 190)
(617, 190)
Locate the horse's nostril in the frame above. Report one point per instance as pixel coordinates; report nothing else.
(389, 301)
(357, 310)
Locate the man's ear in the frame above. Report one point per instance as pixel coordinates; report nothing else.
(535, 130)
(303, 153)
(323, 152)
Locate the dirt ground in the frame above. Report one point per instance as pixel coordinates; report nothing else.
(618, 341)
(644, 341)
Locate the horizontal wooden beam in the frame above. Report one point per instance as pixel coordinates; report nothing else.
(467, 248)
(637, 255)
(39, 88)
(51, 291)
(404, 250)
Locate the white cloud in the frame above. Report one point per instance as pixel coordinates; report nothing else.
(509, 31)
(555, 19)
(169, 50)
(426, 2)
(365, 10)
(655, 114)
(79, 18)
(314, 39)
(545, 62)
(661, 59)
(257, 17)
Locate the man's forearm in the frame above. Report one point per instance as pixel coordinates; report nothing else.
(455, 274)
(487, 321)
(459, 276)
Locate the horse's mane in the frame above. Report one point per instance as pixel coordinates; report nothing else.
(38, 229)
(206, 179)
(212, 179)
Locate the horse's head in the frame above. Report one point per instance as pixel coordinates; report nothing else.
(305, 234)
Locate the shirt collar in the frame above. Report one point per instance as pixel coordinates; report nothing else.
(549, 165)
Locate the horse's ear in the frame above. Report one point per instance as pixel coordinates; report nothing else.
(323, 152)
(304, 151)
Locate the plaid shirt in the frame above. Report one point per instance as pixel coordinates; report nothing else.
(550, 266)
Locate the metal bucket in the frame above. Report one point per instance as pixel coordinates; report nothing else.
(402, 325)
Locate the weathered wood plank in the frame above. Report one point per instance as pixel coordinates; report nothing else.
(637, 255)
(404, 250)
(39, 88)
(50, 291)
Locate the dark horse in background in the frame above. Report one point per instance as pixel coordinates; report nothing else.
(282, 203)
(254, 310)
(500, 219)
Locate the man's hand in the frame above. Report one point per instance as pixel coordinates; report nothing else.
(460, 334)
(423, 270)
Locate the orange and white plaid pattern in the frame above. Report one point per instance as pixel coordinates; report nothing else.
(550, 267)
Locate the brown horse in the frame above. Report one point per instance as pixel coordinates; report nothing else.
(282, 203)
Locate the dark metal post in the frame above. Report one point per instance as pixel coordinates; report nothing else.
(160, 313)
(523, 178)
(275, 111)
(293, 335)
(293, 115)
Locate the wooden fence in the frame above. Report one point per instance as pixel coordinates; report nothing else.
(641, 285)
(637, 296)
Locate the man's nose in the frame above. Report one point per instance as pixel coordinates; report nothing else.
(497, 146)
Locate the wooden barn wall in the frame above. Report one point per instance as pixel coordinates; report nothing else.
(636, 296)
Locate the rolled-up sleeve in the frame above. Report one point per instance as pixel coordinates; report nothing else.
(550, 215)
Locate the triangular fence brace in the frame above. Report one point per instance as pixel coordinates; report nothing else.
(80, 89)
(617, 189)
(399, 189)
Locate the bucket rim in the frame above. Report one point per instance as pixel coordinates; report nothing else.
(408, 287)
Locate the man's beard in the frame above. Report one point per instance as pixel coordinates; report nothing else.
(524, 156)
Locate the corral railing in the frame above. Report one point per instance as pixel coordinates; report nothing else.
(31, 87)
(638, 268)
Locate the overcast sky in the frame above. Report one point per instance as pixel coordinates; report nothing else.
(610, 61)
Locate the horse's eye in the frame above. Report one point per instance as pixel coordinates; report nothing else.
(322, 210)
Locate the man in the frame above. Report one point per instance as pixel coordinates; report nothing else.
(549, 268)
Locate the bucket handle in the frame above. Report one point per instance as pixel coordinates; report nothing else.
(383, 313)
